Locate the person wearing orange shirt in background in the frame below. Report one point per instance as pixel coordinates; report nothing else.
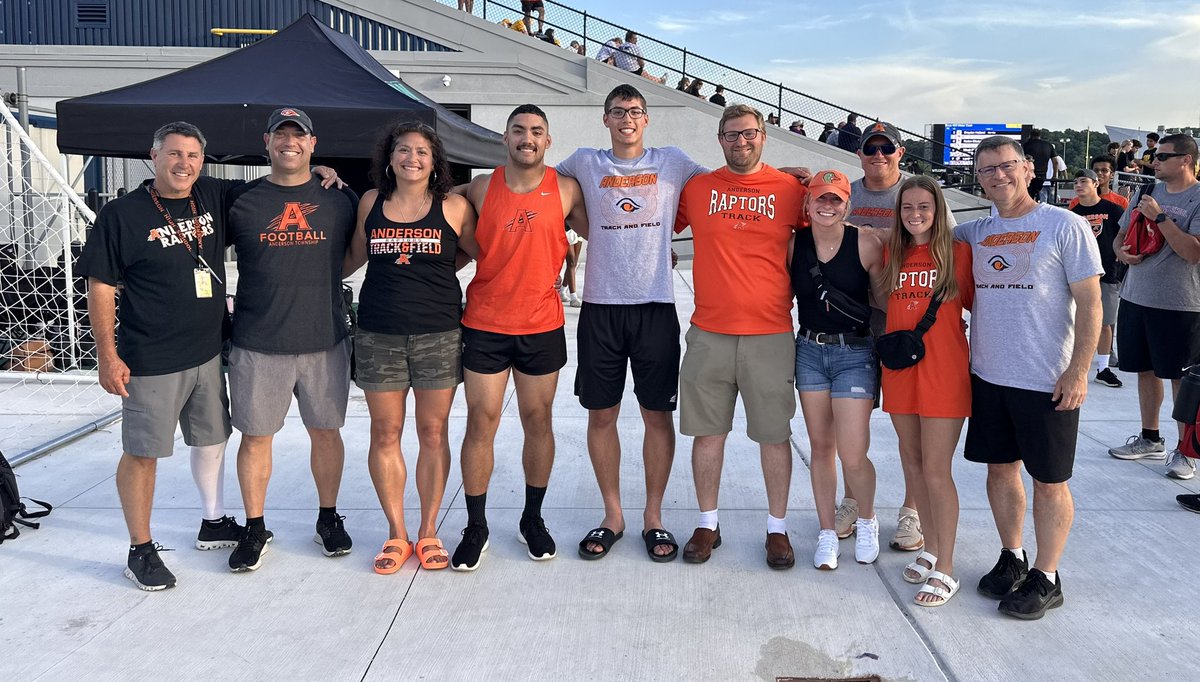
(513, 323)
(743, 217)
(929, 401)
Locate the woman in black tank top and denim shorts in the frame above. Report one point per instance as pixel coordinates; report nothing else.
(410, 230)
(836, 367)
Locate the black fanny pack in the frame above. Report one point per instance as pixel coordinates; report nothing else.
(905, 348)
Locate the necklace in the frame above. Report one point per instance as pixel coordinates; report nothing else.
(415, 215)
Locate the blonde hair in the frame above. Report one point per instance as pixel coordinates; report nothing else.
(941, 242)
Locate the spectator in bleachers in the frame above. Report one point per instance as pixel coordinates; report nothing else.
(694, 88)
(607, 52)
(684, 84)
(466, 5)
(849, 134)
(629, 55)
(548, 36)
(528, 8)
(718, 97)
(773, 119)
(833, 134)
(798, 127)
(824, 134)
(577, 46)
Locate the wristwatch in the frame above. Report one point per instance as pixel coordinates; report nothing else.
(1160, 218)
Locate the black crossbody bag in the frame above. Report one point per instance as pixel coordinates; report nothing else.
(834, 299)
(904, 348)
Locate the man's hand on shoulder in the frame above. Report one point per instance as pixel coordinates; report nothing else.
(801, 173)
(329, 177)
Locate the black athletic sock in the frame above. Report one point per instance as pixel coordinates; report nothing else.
(476, 509)
(256, 522)
(1151, 435)
(533, 501)
(326, 514)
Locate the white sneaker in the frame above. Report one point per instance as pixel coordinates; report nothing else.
(866, 545)
(908, 537)
(575, 302)
(1179, 466)
(827, 550)
(847, 514)
(562, 294)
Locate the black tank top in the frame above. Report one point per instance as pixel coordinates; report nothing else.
(411, 286)
(843, 272)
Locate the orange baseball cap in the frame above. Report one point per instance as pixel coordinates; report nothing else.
(829, 182)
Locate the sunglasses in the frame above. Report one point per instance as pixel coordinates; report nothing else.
(1163, 156)
(887, 148)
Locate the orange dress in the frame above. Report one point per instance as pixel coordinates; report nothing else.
(940, 384)
(522, 243)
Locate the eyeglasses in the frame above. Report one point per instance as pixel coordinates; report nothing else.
(988, 171)
(887, 148)
(620, 112)
(732, 135)
(1163, 156)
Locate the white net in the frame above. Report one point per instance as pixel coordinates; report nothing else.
(48, 384)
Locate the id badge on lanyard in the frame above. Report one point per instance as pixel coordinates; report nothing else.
(203, 279)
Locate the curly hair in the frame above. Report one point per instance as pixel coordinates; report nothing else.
(440, 182)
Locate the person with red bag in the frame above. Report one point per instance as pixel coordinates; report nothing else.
(1158, 322)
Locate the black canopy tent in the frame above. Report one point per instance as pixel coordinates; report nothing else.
(348, 94)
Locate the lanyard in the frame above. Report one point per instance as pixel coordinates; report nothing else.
(197, 229)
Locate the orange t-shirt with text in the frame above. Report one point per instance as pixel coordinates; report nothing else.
(522, 244)
(741, 228)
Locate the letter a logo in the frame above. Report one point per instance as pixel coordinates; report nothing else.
(293, 217)
(523, 221)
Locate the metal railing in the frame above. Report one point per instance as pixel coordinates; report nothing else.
(664, 59)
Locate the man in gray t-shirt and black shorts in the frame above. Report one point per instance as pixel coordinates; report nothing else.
(1034, 326)
(628, 315)
(1158, 321)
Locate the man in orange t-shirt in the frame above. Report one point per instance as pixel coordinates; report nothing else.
(513, 323)
(743, 217)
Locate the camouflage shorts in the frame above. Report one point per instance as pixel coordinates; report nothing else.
(392, 362)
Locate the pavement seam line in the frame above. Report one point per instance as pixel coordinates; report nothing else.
(940, 662)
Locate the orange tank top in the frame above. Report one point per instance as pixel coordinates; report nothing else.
(522, 243)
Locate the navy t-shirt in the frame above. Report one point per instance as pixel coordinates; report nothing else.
(290, 244)
(163, 326)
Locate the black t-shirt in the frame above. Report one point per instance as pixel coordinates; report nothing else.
(848, 137)
(1041, 151)
(717, 99)
(1147, 158)
(844, 272)
(290, 244)
(1104, 219)
(164, 327)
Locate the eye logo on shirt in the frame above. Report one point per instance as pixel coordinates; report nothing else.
(1006, 259)
(998, 263)
(628, 205)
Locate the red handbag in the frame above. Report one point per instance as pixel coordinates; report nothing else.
(1143, 238)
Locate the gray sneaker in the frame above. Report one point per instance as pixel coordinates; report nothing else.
(1179, 466)
(1140, 448)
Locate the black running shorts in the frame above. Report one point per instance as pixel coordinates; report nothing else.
(1153, 339)
(532, 354)
(1018, 425)
(646, 337)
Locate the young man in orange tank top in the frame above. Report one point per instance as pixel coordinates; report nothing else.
(514, 323)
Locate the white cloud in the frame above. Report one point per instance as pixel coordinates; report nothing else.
(711, 19)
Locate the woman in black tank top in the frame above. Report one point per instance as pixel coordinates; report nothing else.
(410, 232)
(837, 372)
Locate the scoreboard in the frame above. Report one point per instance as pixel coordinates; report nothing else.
(960, 139)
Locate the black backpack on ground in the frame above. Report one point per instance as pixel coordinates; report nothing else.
(12, 510)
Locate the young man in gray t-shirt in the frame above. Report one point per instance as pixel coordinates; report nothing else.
(1034, 326)
(1158, 322)
(628, 315)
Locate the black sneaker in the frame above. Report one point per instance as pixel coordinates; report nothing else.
(332, 537)
(1106, 377)
(536, 538)
(1004, 576)
(219, 534)
(1033, 597)
(146, 570)
(250, 550)
(470, 551)
(1189, 502)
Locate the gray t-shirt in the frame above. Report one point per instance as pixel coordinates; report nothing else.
(1164, 280)
(877, 208)
(631, 205)
(1023, 320)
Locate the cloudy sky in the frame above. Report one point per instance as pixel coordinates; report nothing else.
(1051, 63)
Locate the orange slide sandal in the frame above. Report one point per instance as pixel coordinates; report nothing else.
(397, 558)
(431, 554)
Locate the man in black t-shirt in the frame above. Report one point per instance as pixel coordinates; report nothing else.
(289, 331)
(1104, 216)
(1041, 153)
(161, 244)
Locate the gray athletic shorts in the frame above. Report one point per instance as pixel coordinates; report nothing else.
(193, 399)
(717, 368)
(397, 362)
(261, 386)
(1110, 297)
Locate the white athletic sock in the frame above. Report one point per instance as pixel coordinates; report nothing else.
(1018, 552)
(208, 470)
(708, 519)
(1100, 362)
(1052, 577)
(775, 525)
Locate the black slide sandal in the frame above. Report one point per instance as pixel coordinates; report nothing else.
(601, 536)
(657, 536)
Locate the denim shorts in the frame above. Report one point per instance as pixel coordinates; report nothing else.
(844, 371)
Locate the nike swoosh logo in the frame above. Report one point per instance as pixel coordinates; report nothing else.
(545, 194)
